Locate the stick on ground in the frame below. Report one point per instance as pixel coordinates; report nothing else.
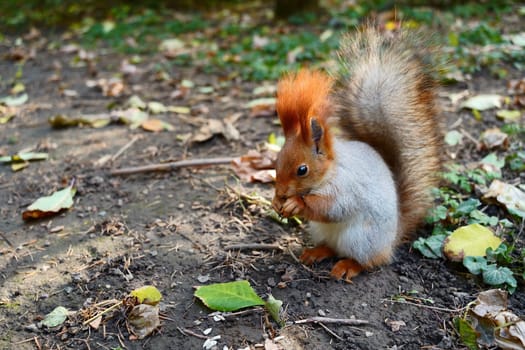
(319, 319)
(172, 165)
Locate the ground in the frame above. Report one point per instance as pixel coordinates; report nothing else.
(174, 230)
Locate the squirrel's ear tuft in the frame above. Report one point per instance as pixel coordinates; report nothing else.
(317, 130)
(300, 95)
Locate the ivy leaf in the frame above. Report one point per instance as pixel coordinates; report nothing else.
(496, 276)
(475, 264)
(229, 296)
(467, 206)
(430, 247)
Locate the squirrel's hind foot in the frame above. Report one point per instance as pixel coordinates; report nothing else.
(317, 254)
(346, 268)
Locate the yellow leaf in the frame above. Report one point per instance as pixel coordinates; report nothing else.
(147, 295)
(470, 240)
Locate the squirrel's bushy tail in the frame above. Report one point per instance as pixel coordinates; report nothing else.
(386, 97)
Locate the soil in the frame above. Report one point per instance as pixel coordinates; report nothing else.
(174, 229)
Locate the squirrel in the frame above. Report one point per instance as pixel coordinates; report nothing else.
(367, 187)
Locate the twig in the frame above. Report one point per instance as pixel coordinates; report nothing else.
(319, 319)
(329, 331)
(172, 165)
(471, 138)
(124, 148)
(186, 331)
(246, 246)
(5, 239)
(299, 261)
(25, 340)
(102, 313)
(238, 313)
(437, 308)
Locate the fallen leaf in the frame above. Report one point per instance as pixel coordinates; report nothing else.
(274, 307)
(156, 107)
(60, 121)
(24, 157)
(179, 109)
(50, 205)
(454, 137)
(256, 166)
(509, 116)
(510, 196)
(483, 102)
(494, 324)
(172, 47)
(470, 240)
(112, 87)
(395, 326)
(7, 113)
(262, 107)
(55, 317)
(156, 125)
(136, 102)
(13, 101)
(493, 138)
(211, 128)
(144, 319)
(134, 117)
(229, 296)
(466, 332)
(147, 295)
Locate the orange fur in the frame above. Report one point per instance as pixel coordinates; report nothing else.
(300, 97)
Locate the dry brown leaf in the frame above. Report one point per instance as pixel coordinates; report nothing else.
(144, 319)
(494, 138)
(510, 196)
(256, 166)
(395, 326)
(494, 323)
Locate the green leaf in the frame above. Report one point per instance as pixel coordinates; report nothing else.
(437, 214)
(467, 206)
(228, 296)
(509, 115)
(496, 276)
(475, 264)
(14, 100)
(466, 332)
(147, 295)
(55, 317)
(46, 206)
(274, 307)
(453, 138)
(24, 157)
(430, 247)
(492, 159)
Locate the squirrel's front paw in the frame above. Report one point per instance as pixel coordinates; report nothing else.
(292, 206)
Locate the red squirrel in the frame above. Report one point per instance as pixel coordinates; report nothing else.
(366, 188)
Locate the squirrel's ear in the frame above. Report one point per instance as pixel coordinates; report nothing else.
(317, 133)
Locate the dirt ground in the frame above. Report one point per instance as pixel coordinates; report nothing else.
(175, 229)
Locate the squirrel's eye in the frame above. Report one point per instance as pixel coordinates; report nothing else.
(302, 170)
